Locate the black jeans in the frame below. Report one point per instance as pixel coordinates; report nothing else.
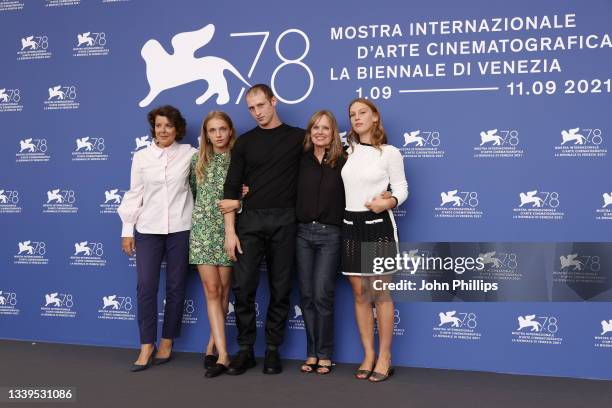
(269, 232)
(318, 260)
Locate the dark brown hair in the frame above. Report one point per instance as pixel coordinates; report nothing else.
(173, 115)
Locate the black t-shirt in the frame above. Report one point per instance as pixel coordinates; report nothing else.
(320, 192)
(267, 161)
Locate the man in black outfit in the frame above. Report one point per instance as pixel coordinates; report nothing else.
(266, 159)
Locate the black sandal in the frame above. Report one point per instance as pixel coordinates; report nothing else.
(328, 369)
(313, 367)
(361, 374)
(379, 377)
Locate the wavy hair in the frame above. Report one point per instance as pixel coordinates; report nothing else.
(206, 147)
(173, 115)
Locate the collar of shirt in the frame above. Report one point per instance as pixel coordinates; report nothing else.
(311, 154)
(159, 151)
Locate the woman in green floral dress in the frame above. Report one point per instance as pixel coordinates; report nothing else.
(208, 169)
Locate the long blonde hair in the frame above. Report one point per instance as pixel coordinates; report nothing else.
(335, 148)
(379, 137)
(206, 147)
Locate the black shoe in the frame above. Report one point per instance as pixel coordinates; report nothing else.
(307, 368)
(241, 362)
(164, 360)
(160, 361)
(141, 367)
(272, 363)
(215, 370)
(380, 377)
(210, 360)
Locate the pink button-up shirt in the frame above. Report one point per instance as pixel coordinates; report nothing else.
(159, 200)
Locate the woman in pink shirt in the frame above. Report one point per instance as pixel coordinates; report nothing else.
(156, 216)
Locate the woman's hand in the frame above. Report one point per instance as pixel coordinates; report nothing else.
(385, 194)
(128, 245)
(226, 206)
(232, 243)
(381, 202)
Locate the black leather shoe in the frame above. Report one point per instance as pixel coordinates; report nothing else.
(141, 367)
(210, 360)
(215, 370)
(164, 360)
(272, 363)
(241, 362)
(160, 361)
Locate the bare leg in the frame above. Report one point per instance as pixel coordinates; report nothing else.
(226, 281)
(365, 320)
(213, 288)
(210, 346)
(384, 315)
(225, 272)
(165, 348)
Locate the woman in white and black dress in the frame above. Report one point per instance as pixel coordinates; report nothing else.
(371, 168)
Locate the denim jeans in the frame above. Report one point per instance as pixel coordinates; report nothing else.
(318, 260)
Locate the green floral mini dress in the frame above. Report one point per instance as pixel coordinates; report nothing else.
(207, 228)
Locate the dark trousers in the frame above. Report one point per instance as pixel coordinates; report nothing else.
(318, 259)
(150, 250)
(269, 232)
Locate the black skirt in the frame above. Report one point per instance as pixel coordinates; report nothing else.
(366, 236)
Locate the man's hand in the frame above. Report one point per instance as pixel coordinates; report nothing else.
(226, 206)
(245, 190)
(231, 244)
(128, 245)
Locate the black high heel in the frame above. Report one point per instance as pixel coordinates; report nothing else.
(164, 360)
(141, 367)
(160, 361)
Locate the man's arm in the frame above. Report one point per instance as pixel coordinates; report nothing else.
(234, 177)
(235, 173)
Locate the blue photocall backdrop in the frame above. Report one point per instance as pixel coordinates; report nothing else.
(502, 112)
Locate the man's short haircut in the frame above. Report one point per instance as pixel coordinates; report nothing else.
(267, 91)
